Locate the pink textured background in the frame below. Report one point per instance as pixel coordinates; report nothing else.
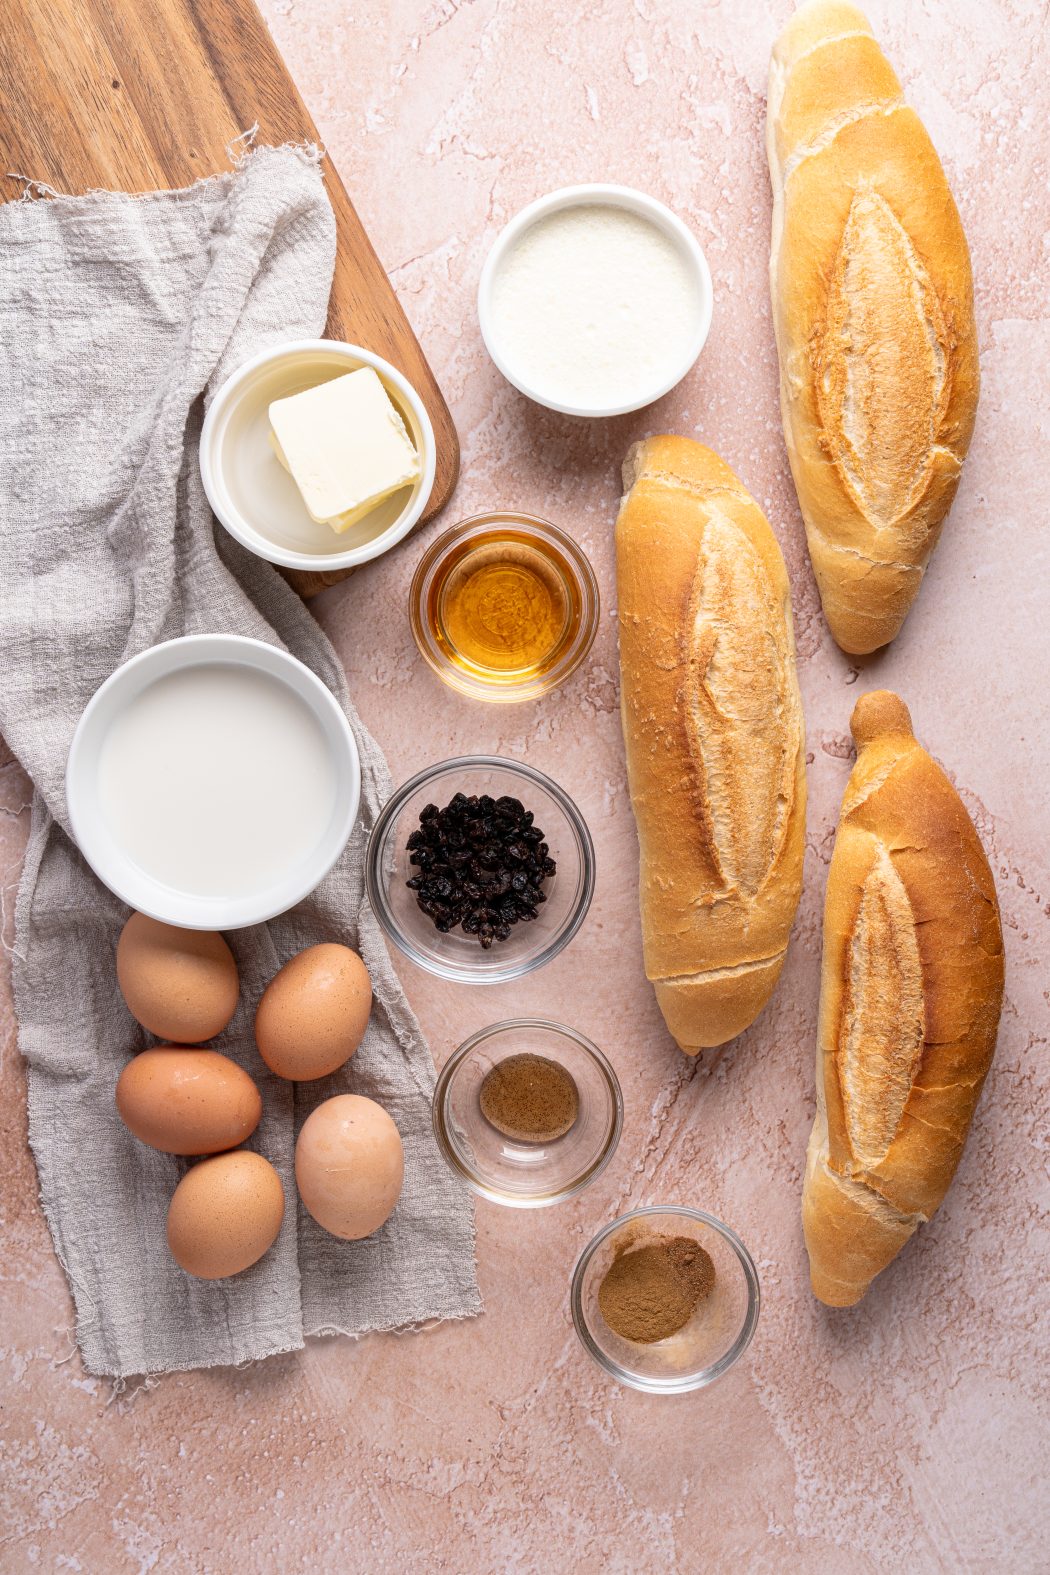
(910, 1431)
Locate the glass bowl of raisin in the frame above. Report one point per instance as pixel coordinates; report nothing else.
(480, 869)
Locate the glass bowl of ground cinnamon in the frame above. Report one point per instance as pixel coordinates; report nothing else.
(665, 1299)
(527, 1112)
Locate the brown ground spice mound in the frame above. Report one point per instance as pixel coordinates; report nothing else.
(652, 1291)
(529, 1098)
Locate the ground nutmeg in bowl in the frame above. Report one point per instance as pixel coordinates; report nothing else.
(650, 1291)
(529, 1098)
(481, 863)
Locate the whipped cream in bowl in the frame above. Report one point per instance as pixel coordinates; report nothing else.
(595, 300)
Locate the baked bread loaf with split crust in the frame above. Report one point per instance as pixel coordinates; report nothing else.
(873, 312)
(713, 727)
(911, 990)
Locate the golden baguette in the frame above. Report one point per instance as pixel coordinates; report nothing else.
(873, 313)
(713, 729)
(911, 990)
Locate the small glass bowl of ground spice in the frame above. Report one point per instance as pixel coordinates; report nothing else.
(665, 1299)
(504, 606)
(514, 912)
(527, 1112)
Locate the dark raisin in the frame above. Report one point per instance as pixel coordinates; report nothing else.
(482, 862)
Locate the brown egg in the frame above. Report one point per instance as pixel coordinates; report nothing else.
(180, 984)
(187, 1101)
(225, 1213)
(349, 1165)
(314, 1013)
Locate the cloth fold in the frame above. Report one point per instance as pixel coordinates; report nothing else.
(117, 314)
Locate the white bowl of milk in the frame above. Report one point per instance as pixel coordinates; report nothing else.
(212, 782)
(595, 300)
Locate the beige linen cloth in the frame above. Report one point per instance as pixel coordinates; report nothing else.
(116, 315)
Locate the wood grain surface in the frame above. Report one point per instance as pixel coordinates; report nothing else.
(139, 94)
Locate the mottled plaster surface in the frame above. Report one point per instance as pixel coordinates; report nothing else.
(909, 1432)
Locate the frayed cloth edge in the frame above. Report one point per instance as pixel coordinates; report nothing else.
(239, 150)
(120, 1383)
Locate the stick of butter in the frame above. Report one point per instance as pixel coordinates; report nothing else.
(345, 446)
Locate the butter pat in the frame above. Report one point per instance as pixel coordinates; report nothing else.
(345, 446)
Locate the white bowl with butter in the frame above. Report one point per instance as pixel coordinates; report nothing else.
(256, 497)
(595, 300)
(212, 781)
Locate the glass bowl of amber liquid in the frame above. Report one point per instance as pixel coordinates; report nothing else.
(504, 606)
(665, 1299)
(527, 1112)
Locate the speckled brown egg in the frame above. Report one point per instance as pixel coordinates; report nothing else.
(180, 984)
(349, 1165)
(187, 1101)
(225, 1214)
(314, 1013)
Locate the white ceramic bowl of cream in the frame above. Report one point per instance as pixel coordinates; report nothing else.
(212, 781)
(252, 494)
(595, 300)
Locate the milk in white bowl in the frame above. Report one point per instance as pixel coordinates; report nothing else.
(212, 781)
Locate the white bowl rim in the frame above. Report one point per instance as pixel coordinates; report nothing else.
(594, 194)
(233, 521)
(189, 913)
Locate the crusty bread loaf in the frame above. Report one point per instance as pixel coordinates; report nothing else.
(713, 728)
(873, 312)
(911, 990)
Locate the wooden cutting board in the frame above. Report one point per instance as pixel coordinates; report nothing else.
(139, 94)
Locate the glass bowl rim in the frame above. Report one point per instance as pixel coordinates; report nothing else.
(376, 893)
(686, 1382)
(450, 1153)
(574, 655)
